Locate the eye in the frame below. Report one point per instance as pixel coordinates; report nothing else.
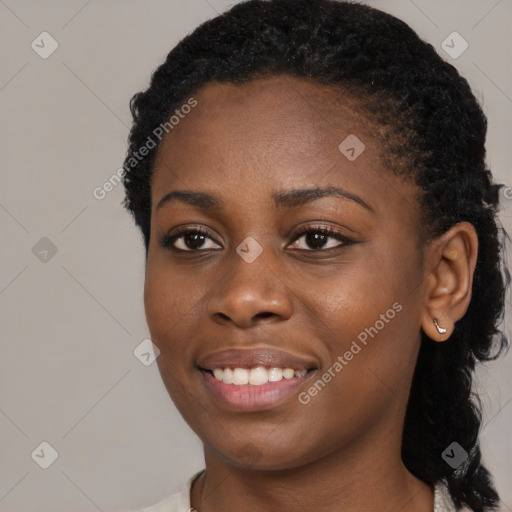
(317, 236)
(194, 239)
(188, 240)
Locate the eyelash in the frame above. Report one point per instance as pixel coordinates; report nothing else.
(168, 240)
(328, 231)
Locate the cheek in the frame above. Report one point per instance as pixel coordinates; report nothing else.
(172, 307)
(366, 378)
(169, 297)
(371, 317)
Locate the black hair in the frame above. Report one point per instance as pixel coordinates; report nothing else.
(433, 132)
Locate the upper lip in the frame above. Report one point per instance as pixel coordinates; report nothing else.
(268, 357)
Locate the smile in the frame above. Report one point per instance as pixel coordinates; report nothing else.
(255, 376)
(256, 389)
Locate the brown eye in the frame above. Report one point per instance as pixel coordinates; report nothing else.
(317, 238)
(189, 240)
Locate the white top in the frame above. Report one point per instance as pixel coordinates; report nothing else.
(180, 502)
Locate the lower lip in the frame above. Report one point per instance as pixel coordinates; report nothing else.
(254, 398)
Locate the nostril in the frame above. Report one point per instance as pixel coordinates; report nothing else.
(265, 314)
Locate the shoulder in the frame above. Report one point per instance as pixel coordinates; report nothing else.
(179, 502)
(442, 500)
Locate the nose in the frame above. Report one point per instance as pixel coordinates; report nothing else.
(249, 293)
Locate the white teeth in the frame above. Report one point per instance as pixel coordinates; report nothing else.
(255, 376)
(275, 374)
(258, 376)
(227, 376)
(240, 376)
(288, 373)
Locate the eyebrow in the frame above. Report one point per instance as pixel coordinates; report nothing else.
(282, 199)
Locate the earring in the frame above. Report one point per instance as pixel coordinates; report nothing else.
(440, 329)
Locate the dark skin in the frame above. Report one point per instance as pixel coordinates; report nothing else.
(341, 451)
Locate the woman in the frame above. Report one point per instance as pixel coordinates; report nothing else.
(323, 260)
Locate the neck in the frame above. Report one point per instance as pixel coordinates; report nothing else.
(354, 478)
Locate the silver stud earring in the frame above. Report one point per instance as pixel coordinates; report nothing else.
(440, 329)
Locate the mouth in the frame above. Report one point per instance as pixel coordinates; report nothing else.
(254, 389)
(257, 376)
(254, 379)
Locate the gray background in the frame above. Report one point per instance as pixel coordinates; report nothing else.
(70, 321)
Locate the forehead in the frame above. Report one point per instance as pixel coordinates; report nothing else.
(277, 94)
(272, 125)
(246, 142)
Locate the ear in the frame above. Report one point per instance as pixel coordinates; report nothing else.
(451, 261)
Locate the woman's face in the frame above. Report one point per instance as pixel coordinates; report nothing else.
(345, 307)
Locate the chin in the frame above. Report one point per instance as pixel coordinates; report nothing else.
(261, 457)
